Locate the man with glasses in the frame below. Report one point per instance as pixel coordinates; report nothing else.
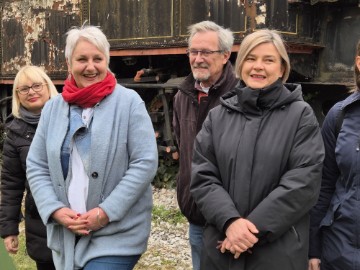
(212, 76)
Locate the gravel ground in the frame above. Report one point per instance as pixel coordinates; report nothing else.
(168, 246)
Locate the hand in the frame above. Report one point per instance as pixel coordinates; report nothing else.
(95, 222)
(222, 246)
(11, 244)
(314, 264)
(240, 237)
(71, 220)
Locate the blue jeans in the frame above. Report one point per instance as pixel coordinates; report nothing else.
(112, 263)
(196, 244)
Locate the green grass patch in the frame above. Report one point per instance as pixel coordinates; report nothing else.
(172, 216)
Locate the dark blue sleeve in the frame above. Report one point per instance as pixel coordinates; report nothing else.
(329, 177)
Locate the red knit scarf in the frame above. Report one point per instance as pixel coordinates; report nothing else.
(88, 96)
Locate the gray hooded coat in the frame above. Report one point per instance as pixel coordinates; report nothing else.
(259, 156)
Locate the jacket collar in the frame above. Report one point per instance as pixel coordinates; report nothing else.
(247, 100)
(187, 86)
(350, 100)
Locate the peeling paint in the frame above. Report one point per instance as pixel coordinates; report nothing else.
(262, 8)
(32, 37)
(261, 18)
(33, 30)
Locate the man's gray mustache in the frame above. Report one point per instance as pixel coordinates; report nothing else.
(200, 66)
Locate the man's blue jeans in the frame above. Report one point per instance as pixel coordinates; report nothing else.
(112, 263)
(196, 244)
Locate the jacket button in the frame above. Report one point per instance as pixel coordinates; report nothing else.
(95, 175)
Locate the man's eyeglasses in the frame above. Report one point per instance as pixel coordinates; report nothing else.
(36, 87)
(204, 53)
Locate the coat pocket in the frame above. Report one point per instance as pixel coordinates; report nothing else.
(53, 236)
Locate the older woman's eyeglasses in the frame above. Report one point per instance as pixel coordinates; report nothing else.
(204, 53)
(36, 87)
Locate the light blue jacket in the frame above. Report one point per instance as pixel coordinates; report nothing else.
(123, 162)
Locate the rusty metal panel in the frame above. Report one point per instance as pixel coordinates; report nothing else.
(313, 2)
(229, 14)
(160, 23)
(33, 33)
(342, 24)
(129, 23)
(271, 14)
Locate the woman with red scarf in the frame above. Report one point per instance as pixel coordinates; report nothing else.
(91, 163)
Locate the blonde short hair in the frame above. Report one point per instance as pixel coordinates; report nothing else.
(32, 73)
(259, 37)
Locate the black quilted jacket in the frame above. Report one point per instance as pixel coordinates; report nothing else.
(14, 185)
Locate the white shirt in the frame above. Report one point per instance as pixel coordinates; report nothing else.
(79, 180)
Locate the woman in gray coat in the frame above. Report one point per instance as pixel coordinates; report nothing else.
(257, 165)
(91, 163)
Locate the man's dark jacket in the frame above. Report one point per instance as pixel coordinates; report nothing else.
(13, 184)
(188, 118)
(259, 156)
